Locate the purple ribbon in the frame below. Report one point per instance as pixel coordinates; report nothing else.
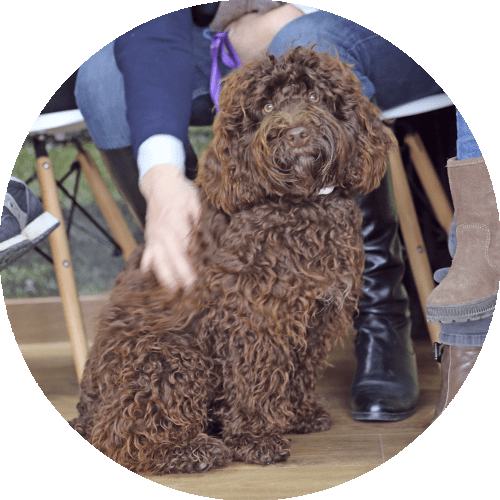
(220, 41)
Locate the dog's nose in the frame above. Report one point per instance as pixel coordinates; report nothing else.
(297, 136)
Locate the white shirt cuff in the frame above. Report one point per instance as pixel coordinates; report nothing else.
(160, 149)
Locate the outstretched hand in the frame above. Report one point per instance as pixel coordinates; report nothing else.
(172, 208)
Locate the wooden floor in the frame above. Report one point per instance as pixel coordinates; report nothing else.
(317, 462)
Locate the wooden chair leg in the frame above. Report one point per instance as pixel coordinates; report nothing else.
(107, 204)
(63, 264)
(412, 236)
(430, 181)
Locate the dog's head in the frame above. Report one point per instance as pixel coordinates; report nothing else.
(292, 126)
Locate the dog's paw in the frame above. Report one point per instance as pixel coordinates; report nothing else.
(318, 420)
(265, 451)
(201, 455)
(210, 454)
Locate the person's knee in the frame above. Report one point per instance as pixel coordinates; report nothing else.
(328, 32)
(86, 84)
(100, 96)
(299, 32)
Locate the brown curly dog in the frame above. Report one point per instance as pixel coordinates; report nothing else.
(189, 380)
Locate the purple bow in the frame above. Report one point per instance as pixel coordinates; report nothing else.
(220, 41)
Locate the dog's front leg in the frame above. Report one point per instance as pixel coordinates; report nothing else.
(309, 415)
(255, 411)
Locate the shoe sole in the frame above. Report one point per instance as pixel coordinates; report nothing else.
(15, 247)
(462, 312)
(382, 416)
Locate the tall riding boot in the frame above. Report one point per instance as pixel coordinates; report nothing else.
(461, 342)
(385, 385)
(456, 364)
(470, 288)
(122, 166)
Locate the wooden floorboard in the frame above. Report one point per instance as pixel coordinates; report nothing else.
(267, 483)
(317, 462)
(41, 319)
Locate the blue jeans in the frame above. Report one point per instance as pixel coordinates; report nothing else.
(385, 72)
(466, 144)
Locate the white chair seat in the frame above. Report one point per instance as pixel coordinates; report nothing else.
(61, 122)
(418, 106)
(72, 120)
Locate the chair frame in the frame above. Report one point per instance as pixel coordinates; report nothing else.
(410, 228)
(51, 125)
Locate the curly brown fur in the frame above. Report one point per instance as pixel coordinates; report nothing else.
(187, 381)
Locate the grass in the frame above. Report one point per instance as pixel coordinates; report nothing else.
(94, 261)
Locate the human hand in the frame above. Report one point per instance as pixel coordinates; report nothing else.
(252, 34)
(172, 207)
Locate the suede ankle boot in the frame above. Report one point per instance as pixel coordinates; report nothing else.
(456, 364)
(470, 288)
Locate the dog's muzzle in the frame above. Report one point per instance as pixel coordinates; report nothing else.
(297, 137)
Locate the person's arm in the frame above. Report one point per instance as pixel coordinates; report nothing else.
(232, 10)
(172, 208)
(252, 34)
(156, 61)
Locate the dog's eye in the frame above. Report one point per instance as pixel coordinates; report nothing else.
(268, 108)
(313, 97)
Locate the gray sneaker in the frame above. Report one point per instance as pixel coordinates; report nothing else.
(24, 222)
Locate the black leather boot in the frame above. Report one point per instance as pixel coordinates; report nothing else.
(123, 169)
(122, 166)
(385, 385)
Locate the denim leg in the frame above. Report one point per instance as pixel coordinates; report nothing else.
(466, 144)
(385, 72)
(100, 95)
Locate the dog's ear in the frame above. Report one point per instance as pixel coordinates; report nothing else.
(375, 140)
(222, 175)
(225, 171)
(228, 182)
(367, 139)
(214, 177)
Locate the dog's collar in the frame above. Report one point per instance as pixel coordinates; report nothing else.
(326, 190)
